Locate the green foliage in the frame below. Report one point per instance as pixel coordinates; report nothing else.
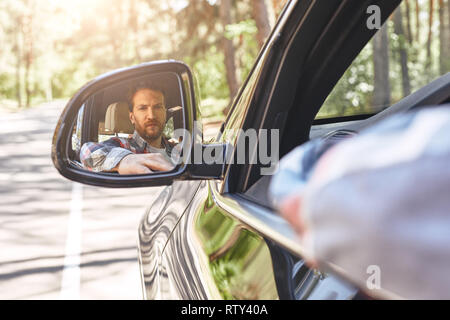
(8, 87)
(72, 42)
(210, 73)
(232, 31)
(354, 92)
(210, 69)
(247, 46)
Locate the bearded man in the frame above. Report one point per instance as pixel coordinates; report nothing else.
(147, 150)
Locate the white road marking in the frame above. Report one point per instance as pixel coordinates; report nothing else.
(70, 284)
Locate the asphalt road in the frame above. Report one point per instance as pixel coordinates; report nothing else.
(59, 239)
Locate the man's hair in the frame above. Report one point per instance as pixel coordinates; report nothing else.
(140, 86)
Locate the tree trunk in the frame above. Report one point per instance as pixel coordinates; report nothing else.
(259, 12)
(403, 55)
(448, 36)
(444, 35)
(408, 21)
(28, 54)
(417, 21)
(448, 17)
(430, 34)
(18, 53)
(382, 87)
(228, 49)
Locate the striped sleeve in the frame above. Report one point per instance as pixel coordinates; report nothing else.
(103, 156)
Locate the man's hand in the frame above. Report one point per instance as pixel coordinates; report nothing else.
(143, 164)
(291, 210)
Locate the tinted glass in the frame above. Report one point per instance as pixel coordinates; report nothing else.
(411, 49)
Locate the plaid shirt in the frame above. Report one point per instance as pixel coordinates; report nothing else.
(105, 156)
(380, 199)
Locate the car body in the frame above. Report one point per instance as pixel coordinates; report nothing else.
(219, 237)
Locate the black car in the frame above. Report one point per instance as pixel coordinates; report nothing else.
(213, 233)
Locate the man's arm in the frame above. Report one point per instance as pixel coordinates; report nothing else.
(104, 156)
(143, 164)
(111, 156)
(376, 207)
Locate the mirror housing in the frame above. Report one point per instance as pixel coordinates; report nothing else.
(68, 129)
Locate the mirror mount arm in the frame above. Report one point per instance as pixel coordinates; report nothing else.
(211, 163)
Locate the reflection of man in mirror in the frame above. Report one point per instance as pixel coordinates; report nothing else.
(147, 150)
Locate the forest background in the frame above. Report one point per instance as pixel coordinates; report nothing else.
(50, 48)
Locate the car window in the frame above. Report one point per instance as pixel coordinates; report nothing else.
(410, 50)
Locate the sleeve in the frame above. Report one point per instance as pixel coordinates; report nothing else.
(103, 156)
(380, 208)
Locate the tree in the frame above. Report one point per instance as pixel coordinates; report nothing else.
(430, 33)
(444, 36)
(17, 49)
(417, 21)
(402, 53)
(408, 21)
(50, 48)
(28, 47)
(382, 87)
(260, 14)
(228, 48)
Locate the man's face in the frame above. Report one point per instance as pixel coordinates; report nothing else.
(149, 113)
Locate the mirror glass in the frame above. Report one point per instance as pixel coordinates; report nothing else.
(129, 127)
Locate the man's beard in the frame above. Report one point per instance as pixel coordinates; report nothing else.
(154, 135)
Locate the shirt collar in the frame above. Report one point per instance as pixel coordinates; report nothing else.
(143, 144)
(139, 140)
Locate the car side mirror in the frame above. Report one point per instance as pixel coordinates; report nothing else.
(149, 108)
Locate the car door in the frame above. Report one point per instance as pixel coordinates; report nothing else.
(229, 243)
